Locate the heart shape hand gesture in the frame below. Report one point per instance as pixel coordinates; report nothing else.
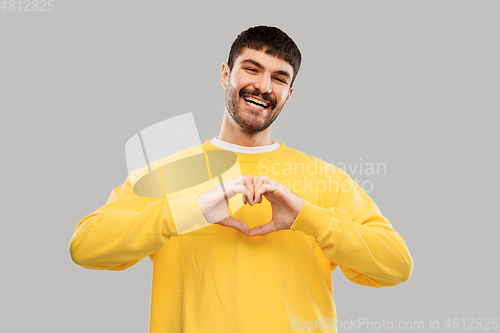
(286, 205)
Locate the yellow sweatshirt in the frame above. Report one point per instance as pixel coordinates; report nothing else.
(212, 278)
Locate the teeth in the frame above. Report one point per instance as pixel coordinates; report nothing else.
(258, 101)
(256, 105)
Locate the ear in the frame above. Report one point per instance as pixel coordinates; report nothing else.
(288, 97)
(224, 75)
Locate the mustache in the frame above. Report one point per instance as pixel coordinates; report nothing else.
(266, 96)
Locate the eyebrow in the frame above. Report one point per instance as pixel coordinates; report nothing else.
(280, 72)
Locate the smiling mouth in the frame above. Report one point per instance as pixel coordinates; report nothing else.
(256, 103)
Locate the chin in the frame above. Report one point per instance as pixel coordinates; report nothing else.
(251, 127)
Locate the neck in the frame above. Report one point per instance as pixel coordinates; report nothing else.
(232, 133)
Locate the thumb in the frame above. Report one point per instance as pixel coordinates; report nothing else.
(235, 224)
(264, 229)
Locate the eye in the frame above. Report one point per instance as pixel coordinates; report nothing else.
(252, 70)
(280, 80)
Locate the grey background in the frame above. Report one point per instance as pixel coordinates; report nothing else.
(412, 84)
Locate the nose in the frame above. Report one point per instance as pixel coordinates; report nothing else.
(263, 83)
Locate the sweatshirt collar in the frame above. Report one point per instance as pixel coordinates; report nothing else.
(243, 149)
(247, 154)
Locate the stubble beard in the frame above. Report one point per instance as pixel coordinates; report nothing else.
(248, 122)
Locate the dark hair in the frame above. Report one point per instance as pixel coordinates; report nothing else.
(276, 43)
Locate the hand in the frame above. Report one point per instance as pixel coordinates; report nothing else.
(285, 205)
(214, 203)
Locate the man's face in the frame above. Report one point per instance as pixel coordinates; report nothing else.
(257, 88)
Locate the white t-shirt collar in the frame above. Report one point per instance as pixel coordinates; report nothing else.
(242, 149)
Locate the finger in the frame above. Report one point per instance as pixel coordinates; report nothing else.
(256, 181)
(239, 180)
(265, 179)
(258, 184)
(249, 194)
(249, 184)
(244, 196)
(232, 190)
(257, 194)
(246, 181)
(260, 181)
(243, 189)
(235, 185)
(262, 189)
(264, 229)
(234, 223)
(247, 178)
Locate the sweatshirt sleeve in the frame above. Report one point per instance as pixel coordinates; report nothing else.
(355, 236)
(128, 228)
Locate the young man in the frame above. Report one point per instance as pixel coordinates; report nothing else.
(266, 265)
